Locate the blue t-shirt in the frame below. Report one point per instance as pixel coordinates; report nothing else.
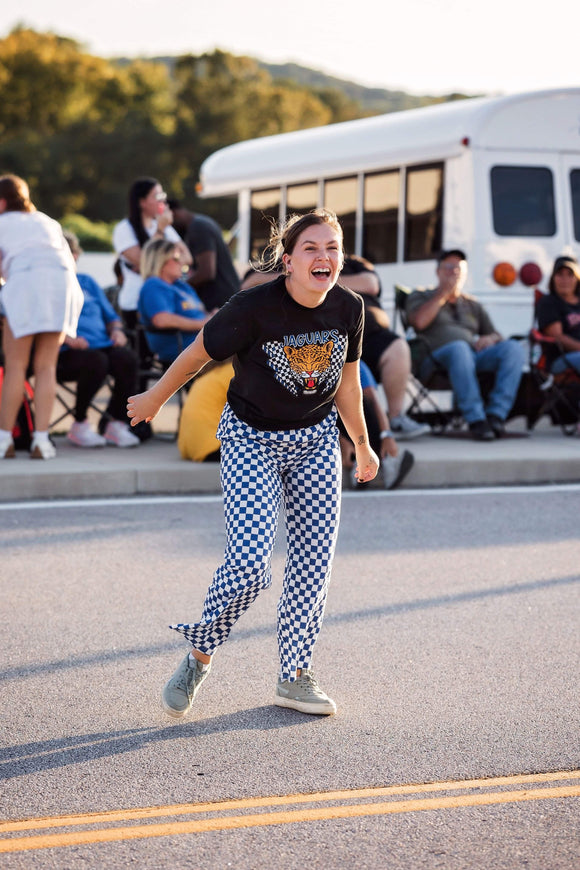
(156, 296)
(366, 376)
(96, 313)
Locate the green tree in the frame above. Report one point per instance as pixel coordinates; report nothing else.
(80, 128)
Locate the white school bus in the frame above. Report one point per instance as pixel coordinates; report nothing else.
(498, 177)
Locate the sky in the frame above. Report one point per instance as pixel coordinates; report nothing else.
(420, 46)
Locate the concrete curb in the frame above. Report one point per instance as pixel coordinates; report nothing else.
(156, 468)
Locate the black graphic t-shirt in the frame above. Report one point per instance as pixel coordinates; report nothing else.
(288, 359)
(553, 309)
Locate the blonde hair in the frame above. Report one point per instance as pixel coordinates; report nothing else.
(154, 256)
(283, 238)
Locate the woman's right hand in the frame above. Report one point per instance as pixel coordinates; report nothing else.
(165, 219)
(142, 407)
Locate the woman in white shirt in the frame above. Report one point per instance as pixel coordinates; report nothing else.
(41, 301)
(149, 217)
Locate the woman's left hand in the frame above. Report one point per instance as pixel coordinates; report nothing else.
(389, 447)
(118, 337)
(142, 407)
(367, 464)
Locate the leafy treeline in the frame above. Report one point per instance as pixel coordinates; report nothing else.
(80, 128)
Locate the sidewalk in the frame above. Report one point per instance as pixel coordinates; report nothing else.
(155, 467)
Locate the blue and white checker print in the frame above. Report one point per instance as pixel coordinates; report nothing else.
(300, 469)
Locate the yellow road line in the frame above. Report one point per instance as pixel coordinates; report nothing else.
(197, 826)
(283, 800)
(220, 823)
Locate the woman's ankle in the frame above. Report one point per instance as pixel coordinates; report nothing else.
(201, 657)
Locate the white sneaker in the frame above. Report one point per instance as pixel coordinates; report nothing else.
(120, 435)
(42, 448)
(404, 428)
(304, 695)
(7, 450)
(81, 435)
(396, 468)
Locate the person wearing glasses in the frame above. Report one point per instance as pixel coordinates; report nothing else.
(462, 339)
(149, 218)
(169, 308)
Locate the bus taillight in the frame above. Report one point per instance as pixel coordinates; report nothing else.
(504, 274)
(530, 274)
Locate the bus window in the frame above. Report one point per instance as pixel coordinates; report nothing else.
(265, 206)
(301, 198)
(523, 201)
(575, 188)
(423, 212)
(340, 196)
(381, 211)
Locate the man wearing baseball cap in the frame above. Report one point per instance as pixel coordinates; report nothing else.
(462, 339)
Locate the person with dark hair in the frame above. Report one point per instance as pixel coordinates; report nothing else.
(98, 350)
(149, 217)
(213, 275)
(296, 344)
(463, 340)
(41, 301)
(559, 314)
(386, 354)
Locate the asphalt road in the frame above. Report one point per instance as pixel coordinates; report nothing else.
(450, 644)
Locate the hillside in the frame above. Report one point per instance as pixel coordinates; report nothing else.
(372, 100)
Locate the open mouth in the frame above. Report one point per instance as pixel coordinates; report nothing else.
(321, 272)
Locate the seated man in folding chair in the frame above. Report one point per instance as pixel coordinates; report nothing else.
(463, 341)
(99, 351)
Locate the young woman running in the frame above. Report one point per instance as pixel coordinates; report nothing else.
(296, 343)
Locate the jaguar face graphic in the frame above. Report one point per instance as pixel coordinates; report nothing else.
(308, 363)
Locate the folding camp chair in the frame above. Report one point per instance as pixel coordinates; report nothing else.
(559, 394)
(425, 407)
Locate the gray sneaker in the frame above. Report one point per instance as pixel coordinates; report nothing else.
(396, 468)
(183, 686)
(405, 429)
(304, 695)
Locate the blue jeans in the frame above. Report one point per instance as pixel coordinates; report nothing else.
(462, 363)
(567, 360)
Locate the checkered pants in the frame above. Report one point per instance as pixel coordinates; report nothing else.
(300, 468)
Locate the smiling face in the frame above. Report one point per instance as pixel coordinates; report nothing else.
(314, 264)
